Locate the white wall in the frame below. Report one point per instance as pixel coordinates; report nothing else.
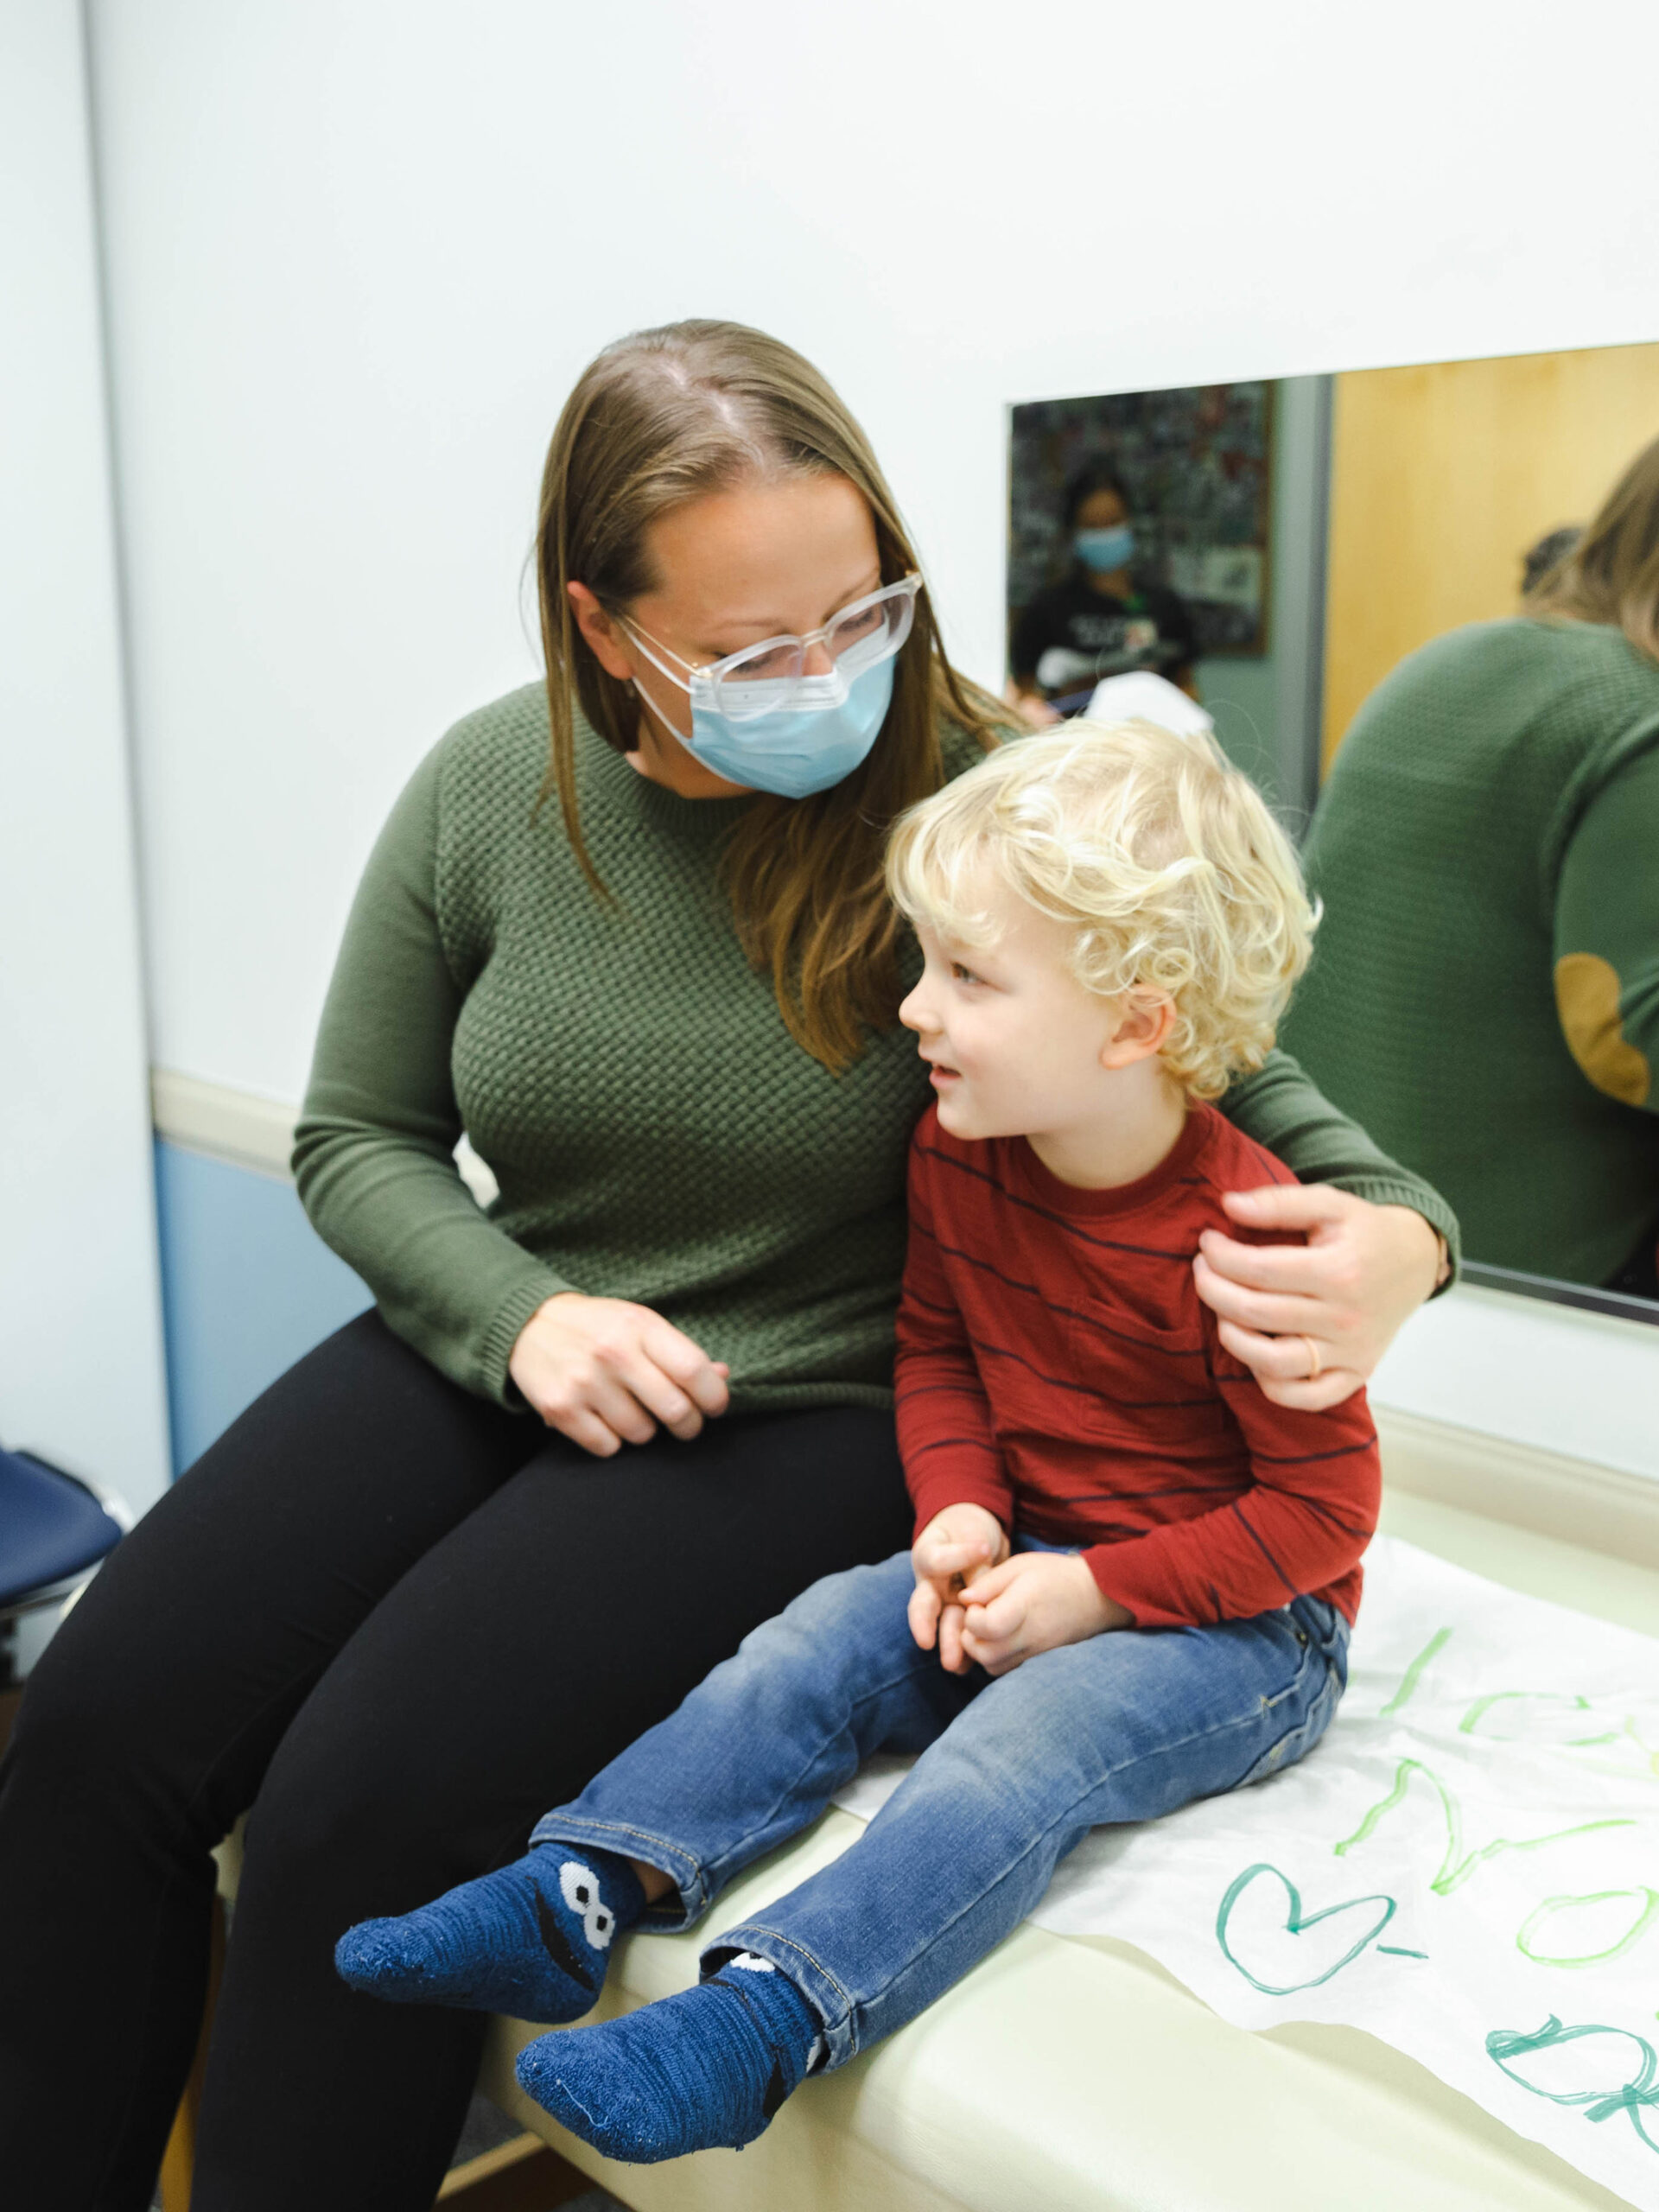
(80, 1365)
(1554, 1376)
(359, 248)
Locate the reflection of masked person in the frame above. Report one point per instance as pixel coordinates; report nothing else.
(1105, 619)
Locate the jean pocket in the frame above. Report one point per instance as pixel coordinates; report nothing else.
(1303, 1713)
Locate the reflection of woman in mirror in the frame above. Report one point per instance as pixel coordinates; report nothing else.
(469, 1547)
(1105, 617)
(1484, 993)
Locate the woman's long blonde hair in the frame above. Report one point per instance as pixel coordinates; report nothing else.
(1612, 575)
(671, 415)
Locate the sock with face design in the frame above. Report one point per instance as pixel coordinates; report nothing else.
(532, 1940)
(702, 2070)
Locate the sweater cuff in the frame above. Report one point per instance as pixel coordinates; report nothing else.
(526, 1298)
(1422, 1199)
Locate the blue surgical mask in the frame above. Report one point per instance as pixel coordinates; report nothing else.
(792, 751)
(1103, 551)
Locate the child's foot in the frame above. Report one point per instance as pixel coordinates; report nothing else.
(532, 1940)
(704, 2069)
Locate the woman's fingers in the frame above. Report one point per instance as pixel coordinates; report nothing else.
(1280, 1365)
(617, 1406)
(686, 1365)
(662, 1398)
(1290, 1205)
(1299, 1270)
(1329, 1388)
(585, 1427)
(1254, 1305)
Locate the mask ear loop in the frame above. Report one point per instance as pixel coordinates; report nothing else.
(662, 717)
(638, 637)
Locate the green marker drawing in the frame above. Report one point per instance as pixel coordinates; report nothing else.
(1298, 1924)
(1536, 1922)
(1510, 2048)
(1413, 1674)
(1470, 1724)
(1456, 1865)
(1398, 1951)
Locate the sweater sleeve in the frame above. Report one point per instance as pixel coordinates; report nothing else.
(1282, 1109)
(1606, 946)
(946, 1440)
(1310, 1511)
(373, 1153)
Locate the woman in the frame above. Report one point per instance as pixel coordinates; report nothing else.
(1104, 619)
(656, 981)
(1486, 987)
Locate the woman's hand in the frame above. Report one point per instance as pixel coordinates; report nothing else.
(1344, 1292)
(604, 1372)
(956, 1548)
(1035, 1602)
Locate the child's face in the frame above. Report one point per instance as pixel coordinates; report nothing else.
(1017, 1046)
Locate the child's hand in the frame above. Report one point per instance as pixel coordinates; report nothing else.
(956, 1546)
(1034, 1602)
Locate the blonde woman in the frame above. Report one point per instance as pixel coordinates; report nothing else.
(629, 931)
(1486, 988)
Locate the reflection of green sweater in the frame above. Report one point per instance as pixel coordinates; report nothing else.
(1484, 992)
(657, 1133)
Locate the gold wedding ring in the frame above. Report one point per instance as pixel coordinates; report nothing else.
(1317, 1365)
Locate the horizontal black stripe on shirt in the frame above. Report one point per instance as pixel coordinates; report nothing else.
(1169, 1489)
(1054, 1381)
(976, 1443)
(1307, 1458)
(1052, 1305)
(939, 1390)
(1104, 1532)
(1050, 1213)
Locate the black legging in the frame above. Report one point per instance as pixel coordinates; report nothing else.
(410, 1622)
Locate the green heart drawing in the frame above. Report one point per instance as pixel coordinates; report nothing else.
(1602, 2070)
(1298, 1924)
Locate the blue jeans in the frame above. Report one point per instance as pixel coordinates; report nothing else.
(1013, 1775)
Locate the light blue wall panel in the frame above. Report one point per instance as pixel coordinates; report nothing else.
(247, 1287)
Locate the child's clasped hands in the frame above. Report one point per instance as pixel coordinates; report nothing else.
(983, 1605)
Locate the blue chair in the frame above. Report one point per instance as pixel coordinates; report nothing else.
(54, 1531)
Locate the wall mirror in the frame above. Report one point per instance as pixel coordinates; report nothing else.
(1420, 607)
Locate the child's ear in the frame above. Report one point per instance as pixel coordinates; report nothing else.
(1145, 1020)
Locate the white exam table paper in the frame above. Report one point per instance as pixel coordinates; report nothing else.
(1467, 1866)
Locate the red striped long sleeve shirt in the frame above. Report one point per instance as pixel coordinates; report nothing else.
(1057, 1365)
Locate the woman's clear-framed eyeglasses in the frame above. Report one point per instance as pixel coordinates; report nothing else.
(759, 679)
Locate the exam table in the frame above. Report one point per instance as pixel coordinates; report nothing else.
(1073, 2075)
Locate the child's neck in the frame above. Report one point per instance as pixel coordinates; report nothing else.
(1136, 1130)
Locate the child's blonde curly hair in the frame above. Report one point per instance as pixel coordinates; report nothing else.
(1158, 856)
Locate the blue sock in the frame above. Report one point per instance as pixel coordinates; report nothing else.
(706, 2069)
(532, 1940)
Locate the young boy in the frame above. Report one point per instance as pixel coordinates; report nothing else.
(1133, 1576)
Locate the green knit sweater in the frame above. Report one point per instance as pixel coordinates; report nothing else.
(655, 1132)
(1484, 992)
